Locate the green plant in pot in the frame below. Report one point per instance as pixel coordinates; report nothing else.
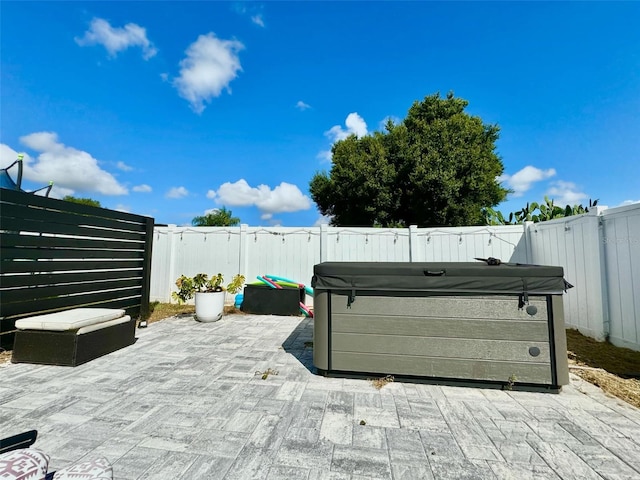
(209, 293)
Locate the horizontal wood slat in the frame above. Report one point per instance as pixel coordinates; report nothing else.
(441, 327)
(441, 307)
(21, 198)
(67, 218)
(460, 348)
(65, 253)
(443, 368)
(27, 280)
(45, 267)
(85, 230)
(39, 240)
(44, 292)
(73, 301)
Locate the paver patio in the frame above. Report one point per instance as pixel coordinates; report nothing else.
(185, 402)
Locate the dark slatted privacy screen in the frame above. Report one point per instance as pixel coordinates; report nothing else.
(57, 255)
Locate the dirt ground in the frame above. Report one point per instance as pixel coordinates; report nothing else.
(615, 370)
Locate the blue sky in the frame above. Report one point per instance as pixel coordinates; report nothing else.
(171, 109)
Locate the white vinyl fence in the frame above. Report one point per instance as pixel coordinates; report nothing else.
(599, 252)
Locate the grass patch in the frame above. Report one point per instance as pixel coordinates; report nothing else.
(378, 383)
(269, 371)
(159, 311)
(614, 369)
(5, 356)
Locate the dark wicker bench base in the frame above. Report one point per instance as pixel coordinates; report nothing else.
(68, 348)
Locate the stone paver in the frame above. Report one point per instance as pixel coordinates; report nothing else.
(186, 402)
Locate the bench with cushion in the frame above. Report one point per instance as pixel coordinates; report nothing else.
(72, 337)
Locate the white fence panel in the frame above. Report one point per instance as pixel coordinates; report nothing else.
(188, 251)
(161, 264)
(600, 253)
(621, 238)
(286, 252)
(464, 244)
(573, 243)
(368, 245)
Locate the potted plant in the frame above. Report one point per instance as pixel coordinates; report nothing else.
(209, 294)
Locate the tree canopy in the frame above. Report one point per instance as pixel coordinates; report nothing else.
(83, 201)
(437, 167)
(218, 218)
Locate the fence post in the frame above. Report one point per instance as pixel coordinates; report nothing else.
(243, 254)
(324, 243)
(602, 258)
(527, 240)
(414, 252)
(146, 268)
(171, 240)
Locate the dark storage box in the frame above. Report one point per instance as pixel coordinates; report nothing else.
(264, 300)
(67, 348)
(459, 322)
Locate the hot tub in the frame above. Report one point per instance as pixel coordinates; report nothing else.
(453, 322)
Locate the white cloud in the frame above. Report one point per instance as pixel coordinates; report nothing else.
(355, 126)
(211, 194)
(302, 106)
(210, 65)
(60, 192)
(124, 167)
(258, 20)
(565, 193)
(123, 208)
(383, 123)
(117, 39)
(266, 216)
(252, 9)
(68, 168)
(325, 155)
(323, 220)
(143, 188)
(522, 180)
(177, 192)
(628, 202)
(283, 198)
(8, 155)
(164, 77)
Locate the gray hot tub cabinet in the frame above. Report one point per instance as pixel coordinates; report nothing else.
(500, 324)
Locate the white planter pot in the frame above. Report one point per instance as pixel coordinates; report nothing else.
(209, 306)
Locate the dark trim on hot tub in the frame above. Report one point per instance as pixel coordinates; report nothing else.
(552, 341)
(494, 384)
(329, 322)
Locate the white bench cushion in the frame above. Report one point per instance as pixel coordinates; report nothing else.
(98, 326)
(69, 320)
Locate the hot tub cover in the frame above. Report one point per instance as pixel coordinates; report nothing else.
(449, 277)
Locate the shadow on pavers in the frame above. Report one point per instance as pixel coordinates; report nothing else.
(300, 344)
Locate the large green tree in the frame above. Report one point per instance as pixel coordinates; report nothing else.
(218, 218)
(437, 167)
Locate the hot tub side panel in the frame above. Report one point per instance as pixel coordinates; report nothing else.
(457, 337)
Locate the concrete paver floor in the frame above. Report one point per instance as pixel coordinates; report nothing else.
(185, 402)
